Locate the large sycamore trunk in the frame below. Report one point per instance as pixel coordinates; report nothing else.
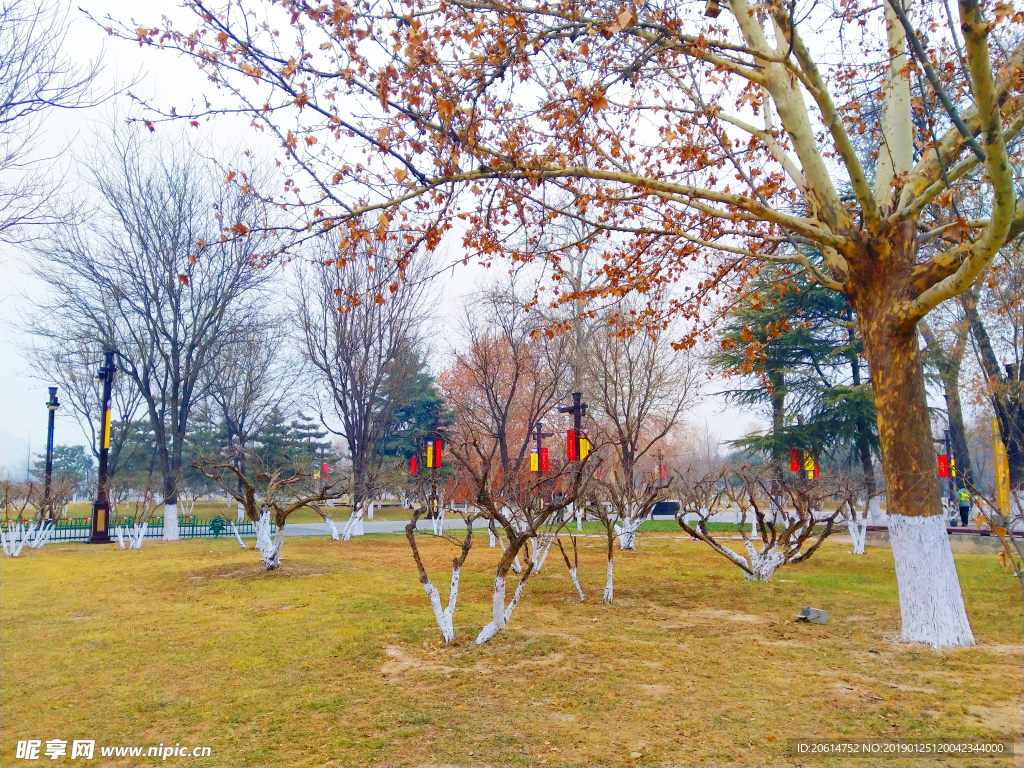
(931, 604)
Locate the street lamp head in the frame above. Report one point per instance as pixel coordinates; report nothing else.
(52, 403)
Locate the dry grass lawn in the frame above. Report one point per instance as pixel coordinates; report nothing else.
(335, 658)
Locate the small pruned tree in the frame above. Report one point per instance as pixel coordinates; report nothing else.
(445, 616)
(499, 390)
(268, 494)
(788, 514)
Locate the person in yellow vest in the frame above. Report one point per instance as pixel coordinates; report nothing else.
(965, 506)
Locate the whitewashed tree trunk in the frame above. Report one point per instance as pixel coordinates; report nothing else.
(369, 511)
(931, 604)
(763, 563)
(547, 540)
(334, 528)
(875, 508)
(445, 617)
(627, 533)
(500, 613)
(171, 532)
(576, 583)
(26, 534)
(609, 582)
(120, 537)
(238, 536)
(858, 533)
(240, 513)
(490, 538)
(354, 525)
(43, 534)
(16, 539)
(135, 537)
(270, 550)
(437, 523)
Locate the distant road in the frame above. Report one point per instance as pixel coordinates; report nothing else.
(374, 526)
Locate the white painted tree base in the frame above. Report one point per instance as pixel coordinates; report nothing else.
(627, 534)
(445, 617)
(576, 583)
(858, 534)
(334, 528)
(763, 564)
(270, 550)
(42, 535)
(135, 536)
(354, 526)
(875, 508)
(609, 582)
(15, 539)
(544, 544)
(437, 523)
(171, 532)
(240, 512)
(931, 603)
(500, 613)
(238, 536)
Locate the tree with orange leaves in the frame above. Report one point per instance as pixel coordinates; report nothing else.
(693, 148)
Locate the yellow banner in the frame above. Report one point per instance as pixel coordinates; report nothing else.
(430, 455)
(106, 430)
(1002, 470)
(534, 462)
(584, 448)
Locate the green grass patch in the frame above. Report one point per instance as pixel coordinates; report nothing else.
(335, 658)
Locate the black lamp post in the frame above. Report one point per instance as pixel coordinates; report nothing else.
(51, 405)
(578, 409)
(101, 507)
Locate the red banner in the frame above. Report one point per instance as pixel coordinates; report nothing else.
(413, 461)
(543, 459)
(943, 465)
(570, 444)
(794, 459)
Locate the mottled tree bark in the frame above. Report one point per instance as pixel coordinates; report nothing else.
(931, 603)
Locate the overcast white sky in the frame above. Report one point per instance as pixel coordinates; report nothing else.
(171, 82)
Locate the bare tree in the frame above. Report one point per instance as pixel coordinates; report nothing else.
(788, 514)
(37, 74)
(359, 317)
(152, 276)
(268, 494)
(639, 388)
(500, 389)
(994, 310)
(247, 381)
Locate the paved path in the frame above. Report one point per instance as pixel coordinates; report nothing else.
(373, 526)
